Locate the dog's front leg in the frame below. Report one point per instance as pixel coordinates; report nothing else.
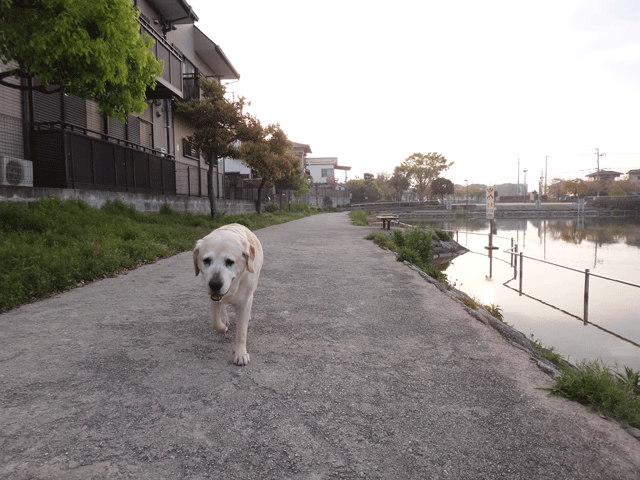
(219, 316)
(243, 315)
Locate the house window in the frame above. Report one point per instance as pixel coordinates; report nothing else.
(188, 150)
(327, 172)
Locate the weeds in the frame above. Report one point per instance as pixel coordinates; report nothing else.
(412, 245)
(442, 235)
(595, 385)
(359, 218)
(51, 245)
(495, 311)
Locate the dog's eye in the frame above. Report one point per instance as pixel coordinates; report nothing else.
(207, 261)
(229, 263)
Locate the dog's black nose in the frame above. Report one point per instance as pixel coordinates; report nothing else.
(215, 285)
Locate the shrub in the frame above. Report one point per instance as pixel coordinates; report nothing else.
(271, 207)
(593, 384)
(419, 241)
(442, 235)
(358, 218)
(327, 202)
(398, 237)
(382, 240)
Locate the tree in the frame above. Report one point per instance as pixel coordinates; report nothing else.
(364, 190)
(89, 48)
(218, 123)
(422, 169)
(442, 186)
(575, 187)
(399, 182)
(268, 152)
(292, 177)
(555, 188)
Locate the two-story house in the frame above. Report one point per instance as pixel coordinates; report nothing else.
(73, 147)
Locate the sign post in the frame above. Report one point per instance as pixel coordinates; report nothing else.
(491, 203)
(491, 208)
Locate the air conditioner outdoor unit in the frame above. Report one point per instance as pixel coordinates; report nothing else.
(16, 172)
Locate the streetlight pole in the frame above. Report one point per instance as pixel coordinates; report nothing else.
(546, 169)
(524, 187)
(467, 194)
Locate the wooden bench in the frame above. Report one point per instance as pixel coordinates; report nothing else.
(386, 220)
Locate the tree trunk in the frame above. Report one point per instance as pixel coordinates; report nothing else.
(211, 192)
(258, 202)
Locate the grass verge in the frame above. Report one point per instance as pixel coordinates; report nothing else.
(51, 245)
(359, 217)
(412, 245)
(596, 385)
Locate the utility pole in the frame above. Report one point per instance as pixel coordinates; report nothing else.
(546, 169)
(518, 190)
(524, 188)
(598, 155)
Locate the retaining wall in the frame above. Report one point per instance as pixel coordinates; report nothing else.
(142, 202)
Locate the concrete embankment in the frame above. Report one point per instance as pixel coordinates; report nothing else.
(360, 368)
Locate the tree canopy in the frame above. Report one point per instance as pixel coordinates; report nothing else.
(442, 186)
(575, 187)
(399, 181)
(218, 122)
(423, 168)
(268, 151)
(89, 48)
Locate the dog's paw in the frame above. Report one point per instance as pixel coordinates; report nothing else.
(241, 359)
(221, 327)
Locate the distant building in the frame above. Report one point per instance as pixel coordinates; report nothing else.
(603, 175)
(634, 175)
(302, 149)
(322, 168)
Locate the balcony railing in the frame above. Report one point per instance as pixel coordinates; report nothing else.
(66, 156)
(171, 80)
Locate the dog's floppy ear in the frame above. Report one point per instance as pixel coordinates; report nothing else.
(196, 252)
(250, 254)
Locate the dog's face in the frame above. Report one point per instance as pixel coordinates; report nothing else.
(222, 258)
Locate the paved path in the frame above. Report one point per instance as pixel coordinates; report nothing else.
(359, 369)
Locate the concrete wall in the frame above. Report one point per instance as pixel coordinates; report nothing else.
(141, 202)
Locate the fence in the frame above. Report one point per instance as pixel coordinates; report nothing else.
(11, 137)
(65, 156)
(519, 258)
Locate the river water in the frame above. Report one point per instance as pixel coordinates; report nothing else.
(552, 305)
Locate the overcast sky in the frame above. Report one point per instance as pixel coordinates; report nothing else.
(480, 82)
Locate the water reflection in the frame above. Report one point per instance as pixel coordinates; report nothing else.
(551, 307)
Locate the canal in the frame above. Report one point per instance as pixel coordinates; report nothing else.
(552, 302)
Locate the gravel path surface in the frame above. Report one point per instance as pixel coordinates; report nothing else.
(359, 369)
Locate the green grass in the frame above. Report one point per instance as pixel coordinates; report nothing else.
(51, 245)
(412, 245)
(359, 217)
(603, 390)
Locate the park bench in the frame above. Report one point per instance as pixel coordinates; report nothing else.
(386, 220)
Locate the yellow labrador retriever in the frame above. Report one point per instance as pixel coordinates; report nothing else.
(230, 259)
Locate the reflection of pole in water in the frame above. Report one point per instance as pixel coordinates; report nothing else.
(490, 247)
(544, 243)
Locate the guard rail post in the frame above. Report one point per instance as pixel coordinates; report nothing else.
(521, 272)
(586, 296)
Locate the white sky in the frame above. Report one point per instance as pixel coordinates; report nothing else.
(481, 82)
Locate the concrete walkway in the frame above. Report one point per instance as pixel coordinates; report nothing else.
(359, 369)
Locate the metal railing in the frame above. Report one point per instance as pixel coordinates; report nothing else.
(518, 257)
